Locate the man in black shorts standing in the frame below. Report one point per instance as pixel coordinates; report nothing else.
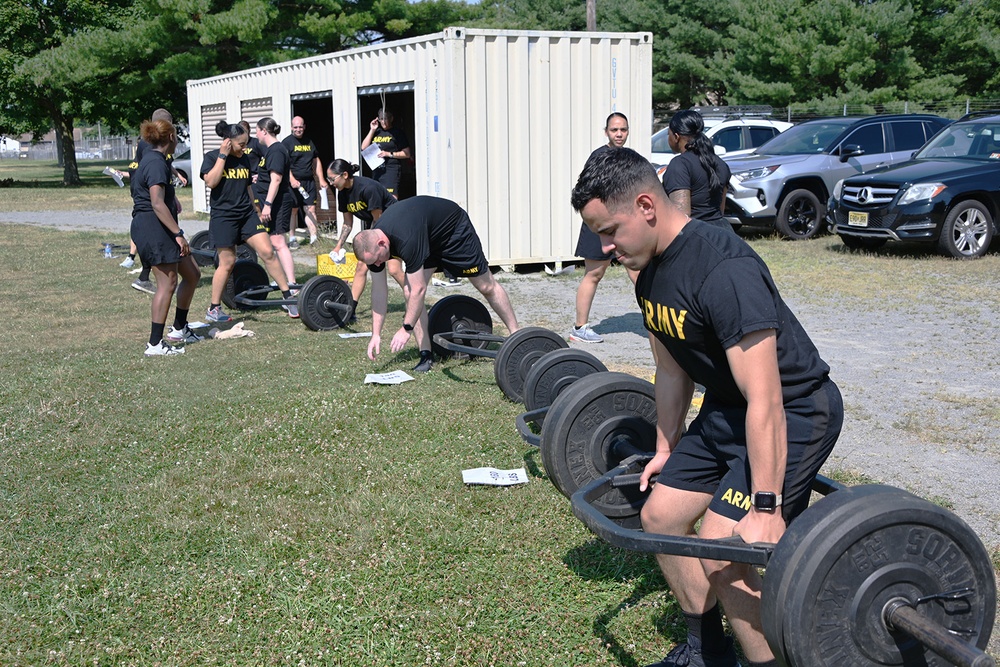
(306, 173)
(427, 233)
(770, 415)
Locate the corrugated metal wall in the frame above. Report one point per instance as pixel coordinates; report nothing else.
(503, 120)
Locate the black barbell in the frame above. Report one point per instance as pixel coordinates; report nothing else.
(868, 575)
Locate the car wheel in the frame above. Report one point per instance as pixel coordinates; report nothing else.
(861, 243)
(967, 231)
(800, 216)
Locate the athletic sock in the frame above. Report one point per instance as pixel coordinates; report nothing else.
(144, 274)
(180, 319)
(705, 630)
(425, 354)
(287, 294)
(156, 333)
(131, 255)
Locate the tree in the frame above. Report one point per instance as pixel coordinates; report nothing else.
(31, 98)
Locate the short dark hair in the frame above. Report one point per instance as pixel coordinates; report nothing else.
(339, 166)
(615, 114)
(227, 131)
(269, 125)
(615, 176)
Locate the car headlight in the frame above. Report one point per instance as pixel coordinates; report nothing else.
(753, 174)
(838, 189)
(921, 192)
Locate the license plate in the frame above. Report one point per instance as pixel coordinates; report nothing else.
(857, 219)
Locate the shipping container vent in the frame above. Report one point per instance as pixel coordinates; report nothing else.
(402, 87)
(312, 96)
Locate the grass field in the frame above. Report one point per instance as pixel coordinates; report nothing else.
(252, 502)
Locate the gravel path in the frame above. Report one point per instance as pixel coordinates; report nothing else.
(921, 394)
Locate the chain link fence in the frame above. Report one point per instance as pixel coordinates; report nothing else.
(104, 148)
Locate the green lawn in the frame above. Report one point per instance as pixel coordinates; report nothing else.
(252, 502)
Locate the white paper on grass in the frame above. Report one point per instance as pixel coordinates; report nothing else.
(360, 334)
(494, 477)
(370, 155)
(395, 377)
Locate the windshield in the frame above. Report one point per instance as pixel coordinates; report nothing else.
(812, 137)
(968, 141)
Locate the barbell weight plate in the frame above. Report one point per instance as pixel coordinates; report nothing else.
(244, 252)
(245, 275)
(317, 299)
(579, 430)
(847, 555)
(202, 241)
(518, 353)
(554, 372)
(456, 313)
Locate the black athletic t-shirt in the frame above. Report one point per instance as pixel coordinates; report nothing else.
(707, 291)
(152, 170)
(272, 159)
(253, 151)
(686, 173)
(419, 227)
(133, 166)
(362, 197)
(301, 154)
(392, 141)
(229, 200)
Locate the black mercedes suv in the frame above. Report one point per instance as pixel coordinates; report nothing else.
(948, 194)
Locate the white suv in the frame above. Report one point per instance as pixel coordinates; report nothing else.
(733, 130)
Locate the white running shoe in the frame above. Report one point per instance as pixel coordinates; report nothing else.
(127, 263)
(162, 350)
(585, 335)
(185, 335)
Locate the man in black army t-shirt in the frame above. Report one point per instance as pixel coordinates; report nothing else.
(770, 415)
(427, 234)
(305, 173)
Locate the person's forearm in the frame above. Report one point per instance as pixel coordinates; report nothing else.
(214, 177)
(767, 444)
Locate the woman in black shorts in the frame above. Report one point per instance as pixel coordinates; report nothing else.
(271, 190)
(226, 170)
(160, 241)
(697, 179)
(595, 260)
(365, 199)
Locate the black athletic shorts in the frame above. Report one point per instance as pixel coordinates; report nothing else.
(281, 216)
(711, 456)
(463, 254)
(228, 233)
(298, 199)
(589, 246)
(154, 243)
(388, 175)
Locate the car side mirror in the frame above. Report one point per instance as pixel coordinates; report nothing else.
(848, 151)
(720, 150)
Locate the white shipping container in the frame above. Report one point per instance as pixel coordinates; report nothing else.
(501, 122)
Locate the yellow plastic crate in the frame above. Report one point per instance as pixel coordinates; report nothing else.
(327, 267)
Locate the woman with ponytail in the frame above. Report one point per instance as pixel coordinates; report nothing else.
(272, 191)
(365, 199)
(697, 179)
(226, 170)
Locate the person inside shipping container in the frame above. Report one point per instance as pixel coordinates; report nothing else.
(588, 246)
(364, 199)
(394, 148)
(233, 220)
(697, 179)
(160, 241)
(426, 233)
(770, 416)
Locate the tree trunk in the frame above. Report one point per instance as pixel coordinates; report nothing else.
(64, 129)
(592, 15)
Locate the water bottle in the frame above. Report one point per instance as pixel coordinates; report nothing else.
(107, 251)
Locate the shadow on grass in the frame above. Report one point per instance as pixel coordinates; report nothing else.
(625, 323)
(598, 561)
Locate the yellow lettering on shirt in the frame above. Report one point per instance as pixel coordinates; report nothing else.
(302, 149)
(354, 207)
(383, 139)
(664, 319)
(236, 172)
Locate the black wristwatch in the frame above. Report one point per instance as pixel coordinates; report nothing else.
(179, 234)
(765, 501)
(267, 203)
(408, 328)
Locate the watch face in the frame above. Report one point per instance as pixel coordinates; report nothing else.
(765, 500)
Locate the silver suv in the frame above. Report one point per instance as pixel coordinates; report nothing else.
(786, 182)
(733, 130)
